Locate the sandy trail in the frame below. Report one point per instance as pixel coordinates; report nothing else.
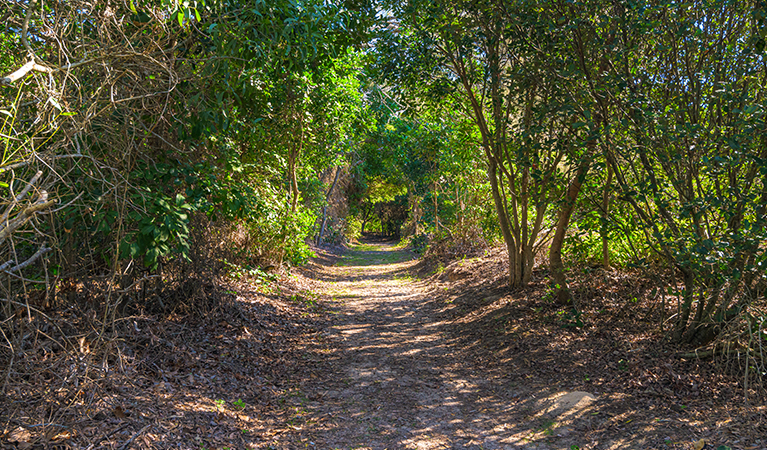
(389, 377)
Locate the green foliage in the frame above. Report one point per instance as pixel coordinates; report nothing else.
(470, 122)
(255, 274)
(571, 318)
(157, 227)
(297, 228)
(627, 244)
(353, 229)
(431, 158)
(163, 229)
(419, 242)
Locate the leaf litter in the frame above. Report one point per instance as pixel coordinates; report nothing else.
(375, 349)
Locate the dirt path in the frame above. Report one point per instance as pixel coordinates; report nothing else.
(354, 352)
(386, 375)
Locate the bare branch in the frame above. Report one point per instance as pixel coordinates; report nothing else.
(40, 252)
(24, 216)
(24, 70)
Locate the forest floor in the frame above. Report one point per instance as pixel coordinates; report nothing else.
(372, 348)
(451, 359)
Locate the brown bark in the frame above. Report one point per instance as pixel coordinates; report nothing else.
(293, 156)
(325, 206)
(556, 266)
(436, 207)
(515, 278)
(686, 308)
(605, 215)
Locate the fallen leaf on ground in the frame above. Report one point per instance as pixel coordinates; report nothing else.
(119, 413)
(19, 435)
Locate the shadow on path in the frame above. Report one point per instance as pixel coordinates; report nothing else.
(385, 375)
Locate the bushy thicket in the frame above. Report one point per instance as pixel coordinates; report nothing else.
(150, 147)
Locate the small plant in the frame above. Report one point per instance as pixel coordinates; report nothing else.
(258, 275)
(550, 294)
(571, 318)
(547, 428)
(419, 243)
(239, 404)
(623, 365)
(308, 298)
(220, 404)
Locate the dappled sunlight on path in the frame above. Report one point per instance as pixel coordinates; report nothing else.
(386, 375)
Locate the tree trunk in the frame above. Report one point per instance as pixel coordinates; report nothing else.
(515, 274)
(325, 207)
(686, 307)
(605, 216)
(556, 266)
(491, 143)
(436, 209)
(293, 158)
(414, 210)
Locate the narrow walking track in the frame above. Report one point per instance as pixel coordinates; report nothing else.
(386, 376)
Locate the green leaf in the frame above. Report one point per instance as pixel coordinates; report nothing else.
(143, 17)
(133, 7)
(125, 249)
(180, 17)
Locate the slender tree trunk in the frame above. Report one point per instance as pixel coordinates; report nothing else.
(605, 216)
(295, 153)
(325, 206)
(686, 307)
(461, 206)
(515, 278)
(414, 202)
(491, 143)
(563, 221)
(436, 209)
